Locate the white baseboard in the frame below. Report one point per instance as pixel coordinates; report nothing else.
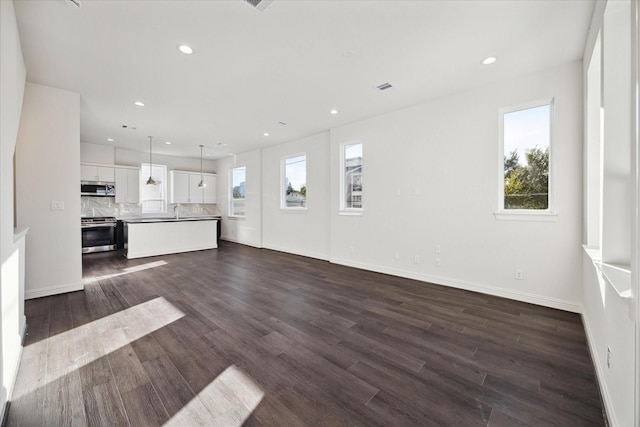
(14, 377)
(542, 300)
(234, 240)
(52, 290)
(297, 252)
(602, 385)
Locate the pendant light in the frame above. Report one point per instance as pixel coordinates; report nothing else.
(150, 181)
(201, 184)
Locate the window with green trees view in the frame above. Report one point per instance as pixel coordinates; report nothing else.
(526, 145)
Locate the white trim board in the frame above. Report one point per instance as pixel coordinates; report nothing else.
(52, 290)
(602, 385)
(542, 300)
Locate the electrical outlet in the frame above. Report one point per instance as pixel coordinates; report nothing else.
(519, 274)
(438, 262)
(397, 256)
(416, 259)
(57, 205)
(609, 357)
(438, 249)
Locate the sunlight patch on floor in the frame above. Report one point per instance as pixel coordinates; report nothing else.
(77, 347)
(127, 270)
(226, 401)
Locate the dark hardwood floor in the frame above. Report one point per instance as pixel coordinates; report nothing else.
(243, 336)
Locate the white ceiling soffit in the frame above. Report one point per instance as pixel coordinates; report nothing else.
(292, 63)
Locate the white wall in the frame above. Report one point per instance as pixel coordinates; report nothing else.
(608, 317)
(298, 232)
(246, 230)
(48, 169)
(12, 82)
(446, 149)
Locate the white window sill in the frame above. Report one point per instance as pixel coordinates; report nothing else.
(294, 210)
(351, 213)
(544, 216)
(237, 217)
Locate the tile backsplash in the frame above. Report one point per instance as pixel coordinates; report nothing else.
(105, 206)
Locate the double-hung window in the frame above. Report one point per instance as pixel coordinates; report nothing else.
(525, 172)
(153, 196)
(237, 191)
(294, 182)
(351, 177)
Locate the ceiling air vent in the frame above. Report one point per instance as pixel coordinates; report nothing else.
(261, 5)
(384, 86)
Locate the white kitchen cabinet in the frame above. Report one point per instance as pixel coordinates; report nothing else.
(127, 181)
(184, 187)
(178, 187)
(89, 172)
(211, 190)
(170, 237)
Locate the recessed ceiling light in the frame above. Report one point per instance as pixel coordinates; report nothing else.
(207, 154)
(168, 142)
(266, 134)
(74, 3)
(139, 103)
(110, 139)
(187, 50)
(489, 60)
(334, 111)
(222, 144)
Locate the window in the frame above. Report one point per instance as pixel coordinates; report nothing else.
(525, 154)
(237, 192)
(351, 179)
(153, 197)
(294, 182)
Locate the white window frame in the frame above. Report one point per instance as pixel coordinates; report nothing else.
(283, 178)
(231, 213)
(550, 213)
(164, 182)
(344, 210)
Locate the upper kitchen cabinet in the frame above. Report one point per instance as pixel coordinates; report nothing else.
(178, 187)
(184, 187)
(127, 184)
(90, 172)
(210, 192)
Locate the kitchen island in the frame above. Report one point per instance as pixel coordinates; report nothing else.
(161, 236)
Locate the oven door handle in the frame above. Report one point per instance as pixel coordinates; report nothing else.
(98, 225)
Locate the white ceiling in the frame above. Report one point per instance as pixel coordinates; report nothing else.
(293, 63)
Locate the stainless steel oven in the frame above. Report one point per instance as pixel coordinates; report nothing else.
(98, 234)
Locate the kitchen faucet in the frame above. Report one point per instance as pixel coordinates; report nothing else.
(176, 209)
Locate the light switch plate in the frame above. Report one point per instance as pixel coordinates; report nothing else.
(57, 205)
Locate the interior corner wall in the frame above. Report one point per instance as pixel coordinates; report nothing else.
(430, 176)
(297, 232)
(247, 230)
(47, 170)
(12, 81)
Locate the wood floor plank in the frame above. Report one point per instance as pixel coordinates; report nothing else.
(246, 336)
